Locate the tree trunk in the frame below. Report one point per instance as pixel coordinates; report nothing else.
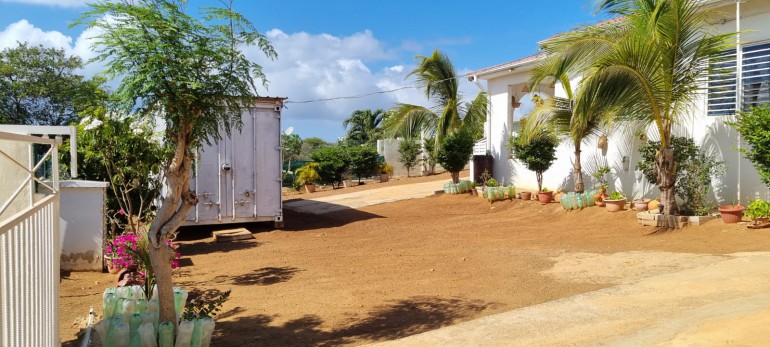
(539, 176)
(666, 170)
(175, 207)
(578, 171)
(456, 177)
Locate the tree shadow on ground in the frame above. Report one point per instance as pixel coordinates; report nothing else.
(265, 276)
(198, 248)
(391, 321)
(299, 221)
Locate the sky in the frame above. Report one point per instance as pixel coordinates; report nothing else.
(342, 48)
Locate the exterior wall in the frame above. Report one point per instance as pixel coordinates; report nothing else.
(13, 175)
(741, 181)
(388, 148)
(82, 223)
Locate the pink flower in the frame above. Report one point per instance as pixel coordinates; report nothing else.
(121, 212)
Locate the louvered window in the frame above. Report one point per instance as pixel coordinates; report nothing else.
(755, 80)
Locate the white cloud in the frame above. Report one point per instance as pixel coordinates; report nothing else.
(309, 67)
(23, 31)
(57, 3)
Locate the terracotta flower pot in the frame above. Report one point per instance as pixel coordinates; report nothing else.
(310, 188)
(544, 197)
(615, 205)
(731, 213)
(641, 204)
(526, 195)
(384, 178)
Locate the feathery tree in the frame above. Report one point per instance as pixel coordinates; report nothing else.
(188, 70)
(363, 127)
(437, 76)
(650, 65)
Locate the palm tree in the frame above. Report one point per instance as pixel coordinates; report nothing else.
(560, 113)
(436, 75)
(651, 69)
(363, 127)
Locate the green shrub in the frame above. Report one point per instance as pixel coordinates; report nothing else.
(616, 196)
(694, 173)
(537, 154)
(332, 163)
(408, 154)
(308, 174)
(455, 152)
(754, 126)
(492, 182)
(363, 161)
(758, 209)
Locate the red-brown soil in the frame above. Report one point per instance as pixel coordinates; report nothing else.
(397, 269)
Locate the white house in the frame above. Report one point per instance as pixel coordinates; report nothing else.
(505, 82)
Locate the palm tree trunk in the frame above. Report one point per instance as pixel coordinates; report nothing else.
(666, 169)
(578, 171)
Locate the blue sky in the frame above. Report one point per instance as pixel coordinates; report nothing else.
(343, 47)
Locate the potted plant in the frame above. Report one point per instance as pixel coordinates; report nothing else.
(759, 212)
(472, 190)
(386, 170)
(615, 202)
(111, 257)
(641, 204)
(307, 175)
(526, 195)
(544, 196)
(601, 178)
(731, 213)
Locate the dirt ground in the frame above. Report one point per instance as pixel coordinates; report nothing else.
(393, 270)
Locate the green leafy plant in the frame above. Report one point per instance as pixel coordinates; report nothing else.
(204, 304)
(308, 174)
(429, 156)
(408, 154)
(617, 196)
(601, 176)
(385, 169)
(332, 162)
(363, 161)
(758, 209)
(545, 190)
(754, 126)
(536, 153)
(485, 176)
(694, 172)
(492, 183)
(455, 152)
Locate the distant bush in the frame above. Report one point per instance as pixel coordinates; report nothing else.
(455, 152)
(754, 126)
(408, 154)
(363, 161)
(332, 163)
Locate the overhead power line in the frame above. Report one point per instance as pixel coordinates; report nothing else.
(367, 94)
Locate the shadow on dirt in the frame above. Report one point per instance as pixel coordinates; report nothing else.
(299, 221)
(392, 321)
(265, 276)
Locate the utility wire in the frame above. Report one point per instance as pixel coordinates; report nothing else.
(368, 94)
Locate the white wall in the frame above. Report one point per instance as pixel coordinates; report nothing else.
(82, 225)
(710, 133)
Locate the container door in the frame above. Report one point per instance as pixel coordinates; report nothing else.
(268, 161)
(244, 170)
(207, 179)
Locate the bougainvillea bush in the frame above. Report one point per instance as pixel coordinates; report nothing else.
(131, 251)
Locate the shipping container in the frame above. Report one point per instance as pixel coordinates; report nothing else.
(238, 178)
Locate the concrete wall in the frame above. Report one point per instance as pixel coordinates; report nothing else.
(12, 176)
(711, 133)
(83, 208)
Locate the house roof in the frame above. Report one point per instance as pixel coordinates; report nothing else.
(509, 65)
(536, 57)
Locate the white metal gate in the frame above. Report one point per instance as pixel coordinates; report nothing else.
(30, 251)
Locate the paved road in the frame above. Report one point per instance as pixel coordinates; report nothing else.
(723, 303)
(365, 198)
